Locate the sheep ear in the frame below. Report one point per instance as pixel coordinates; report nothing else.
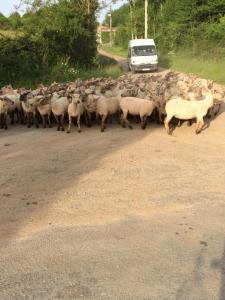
(69, 97)
(95, 97)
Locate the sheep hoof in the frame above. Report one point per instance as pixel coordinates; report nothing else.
(79, 130)
(102, 129)
(63, 129)
(130, 127)
(58, 129)
(197, 132)
(68, 131)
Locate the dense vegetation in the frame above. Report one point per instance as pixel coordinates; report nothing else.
(196, 25)
(56, 40)
(52, 38)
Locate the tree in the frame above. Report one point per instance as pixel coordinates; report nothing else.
(15, 20)
(4, 22)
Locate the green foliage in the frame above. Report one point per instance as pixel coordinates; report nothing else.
(4, 22)
(51, 34)
(205, 67)
(116, 50)
(122, 36)
(105, 37)
(175, 24)
(15, 20)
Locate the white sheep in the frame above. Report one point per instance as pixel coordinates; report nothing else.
(186, 110)
(59, 108)
(107, 106)
(136, 106)
(75, 110)
(16, 107)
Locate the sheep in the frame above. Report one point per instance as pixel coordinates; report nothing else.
(90, 107)
(106, 106)
(12, 94)
(136, 106)
(75, 109)
(5, 103)
(29, 106)
(59, 108)
(44, 108)
(185, 110)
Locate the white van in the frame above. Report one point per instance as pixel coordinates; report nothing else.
(142, 55)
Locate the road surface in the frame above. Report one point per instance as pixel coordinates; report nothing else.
(124, 214)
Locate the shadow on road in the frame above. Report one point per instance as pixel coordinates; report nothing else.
(219, 265)
(39, 167)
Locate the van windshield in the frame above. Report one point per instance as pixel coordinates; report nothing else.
(143, 50)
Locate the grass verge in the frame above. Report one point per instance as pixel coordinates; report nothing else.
(104, 67)
(186, 62)
(207, 68)
(115, 50)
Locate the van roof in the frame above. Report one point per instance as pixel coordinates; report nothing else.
(141, 42)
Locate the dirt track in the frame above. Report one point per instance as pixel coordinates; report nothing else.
(116, 215)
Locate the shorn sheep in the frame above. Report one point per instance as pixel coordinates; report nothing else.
(59, 108)
(75, 110)
(136, 107)
(106, 106)
(186, 110)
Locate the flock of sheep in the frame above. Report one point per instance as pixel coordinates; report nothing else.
(160, 97)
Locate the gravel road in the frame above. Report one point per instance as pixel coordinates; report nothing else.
(124, 214)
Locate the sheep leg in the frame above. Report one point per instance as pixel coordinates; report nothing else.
(5, 121)
(87, 117)
(57, 121)
(126, 121)
(200, 124)
(43, 121)
(189, 122)
(69, 126)
(1, 121)
(78, 124)
(12, 118)
(218, 109)
(61, 122)
(49, 121)
(103, 127)
(143, 122)
(35, 118)
(119, 117)
(179, 123)
(166, 124)
(122, 121)
(28, 120)
(98, 118)
(209, 113)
